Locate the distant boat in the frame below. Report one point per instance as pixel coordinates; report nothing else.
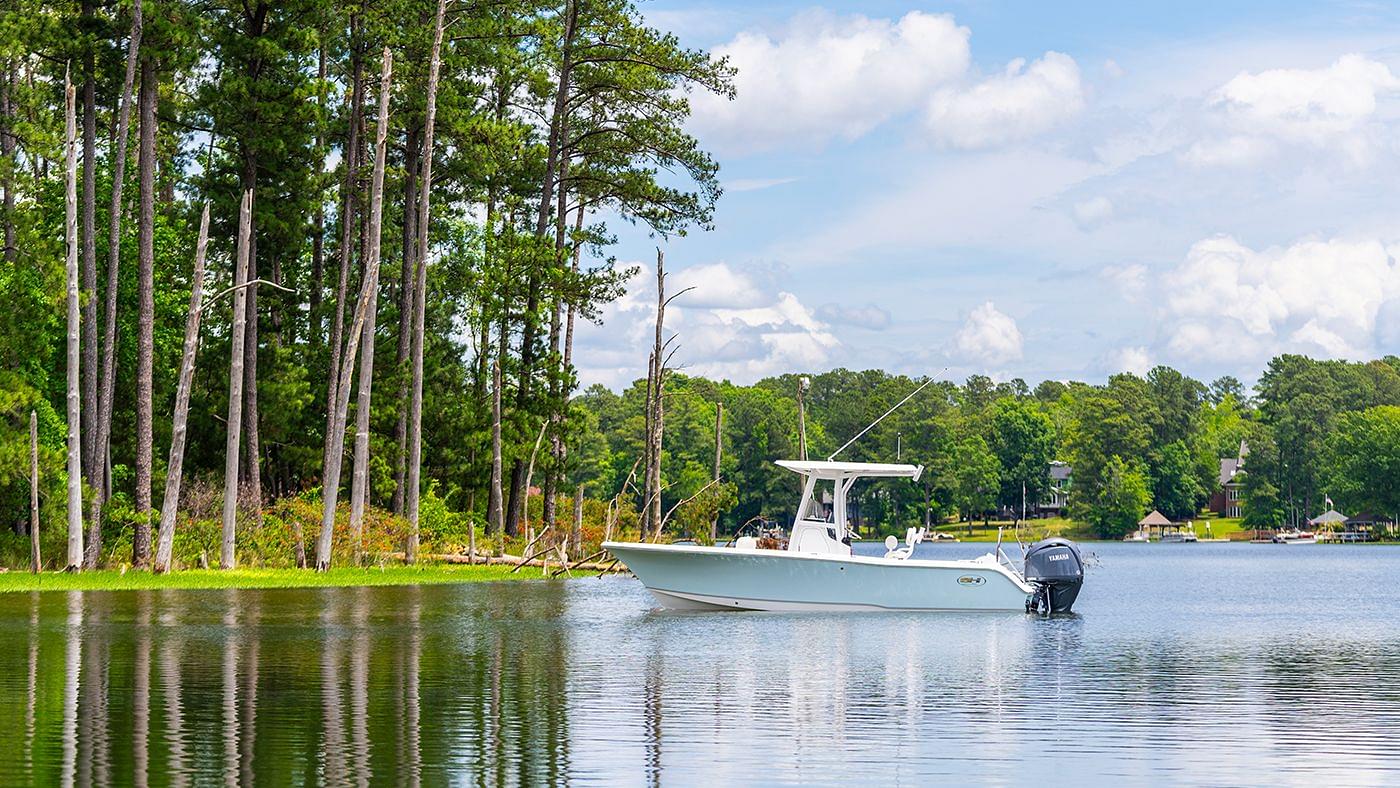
(1179, 537)
(1137, 536)
(1294, 537)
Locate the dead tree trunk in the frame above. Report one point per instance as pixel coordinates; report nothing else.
(406, 290)
(109, 336)
(318, 240)
(415, 409)
(75, 426)
(227, 558)
(359, 481)
(651, 515)
(34, 561)
(495, 518)
(252, 477)
(170, 504)
(89, 240)
(145, 318)
(347, 243)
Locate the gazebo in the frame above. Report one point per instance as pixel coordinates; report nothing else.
(1155, 520)
(1329, 521)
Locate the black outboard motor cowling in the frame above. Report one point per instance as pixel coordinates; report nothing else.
(1055, 569)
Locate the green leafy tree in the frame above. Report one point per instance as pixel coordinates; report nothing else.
(1120, 500)
(1023, 439)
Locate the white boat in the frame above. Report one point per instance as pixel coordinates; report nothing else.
(818, 571)
(1136, 536)
(1294, 537)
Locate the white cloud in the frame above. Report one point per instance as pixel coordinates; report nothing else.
(735, 325)
(1227, 302)
(1131, 280)
(988, 336)
(1261, 114)
(1309, 102)
(826, 77)
(1093, 212)
(1021, 102)
(754, 184)
(867, 316)
(1128, 359)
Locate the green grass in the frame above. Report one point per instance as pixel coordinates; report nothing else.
(1031, 531)
(112, 580)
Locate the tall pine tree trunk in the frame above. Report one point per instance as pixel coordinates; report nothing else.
(532, 296)
(368, 287)
(145, 305)
(109, 334)
(347, 241)
(227, 558)
(89, 240)
(495, 519)
(7, 152)
(170, 503)
(75, 427)
(359, 481)
(318, 240)
(412, 141)
(420, 301)
(252, 478)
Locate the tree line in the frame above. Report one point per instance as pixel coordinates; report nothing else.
(267, 252)
(1315, 430)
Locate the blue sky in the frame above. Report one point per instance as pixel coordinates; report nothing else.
(1036, 190)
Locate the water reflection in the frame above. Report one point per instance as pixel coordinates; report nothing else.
(581, 681)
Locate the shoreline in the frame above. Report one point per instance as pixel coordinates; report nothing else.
(22, 581)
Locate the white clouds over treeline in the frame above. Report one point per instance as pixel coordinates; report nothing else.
(824, 77)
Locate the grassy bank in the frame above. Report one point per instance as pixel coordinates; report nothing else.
(113, 580)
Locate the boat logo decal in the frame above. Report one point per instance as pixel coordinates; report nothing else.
(971, 580)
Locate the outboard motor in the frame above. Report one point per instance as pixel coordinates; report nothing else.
(1055, 570)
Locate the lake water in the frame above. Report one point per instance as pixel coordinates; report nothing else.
(1207, 663)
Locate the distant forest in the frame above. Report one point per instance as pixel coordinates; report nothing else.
(1315, 430)
(297, 281)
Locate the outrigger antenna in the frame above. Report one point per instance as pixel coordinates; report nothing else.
(896, 407)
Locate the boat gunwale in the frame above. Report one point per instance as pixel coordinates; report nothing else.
(867, 560)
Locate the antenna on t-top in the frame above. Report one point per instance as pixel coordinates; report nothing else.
(896, 407)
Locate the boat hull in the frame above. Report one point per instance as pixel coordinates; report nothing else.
(714, 578)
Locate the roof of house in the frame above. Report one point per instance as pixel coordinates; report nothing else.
(1156, 518)
(1059, 471)
(1367, 518)
(1229, 466)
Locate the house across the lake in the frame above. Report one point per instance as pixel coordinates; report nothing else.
(1226, 498)
(1057, 494)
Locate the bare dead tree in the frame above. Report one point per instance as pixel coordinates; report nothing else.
(359, 482)
(227, 558)
(145, 315)
(109, 336)
(75, 425)
(347, 233)
(88, 9)
(415, 408)
(34, 561)
(170, 504)
(495, 516)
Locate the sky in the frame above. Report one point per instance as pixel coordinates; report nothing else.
(1024, 189)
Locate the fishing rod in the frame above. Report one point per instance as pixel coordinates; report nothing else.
(896, 407)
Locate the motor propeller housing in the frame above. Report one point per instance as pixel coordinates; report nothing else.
(1055, 568)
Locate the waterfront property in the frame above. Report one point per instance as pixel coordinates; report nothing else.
(1226, 498)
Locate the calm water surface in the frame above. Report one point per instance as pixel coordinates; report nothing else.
(1208, 663)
